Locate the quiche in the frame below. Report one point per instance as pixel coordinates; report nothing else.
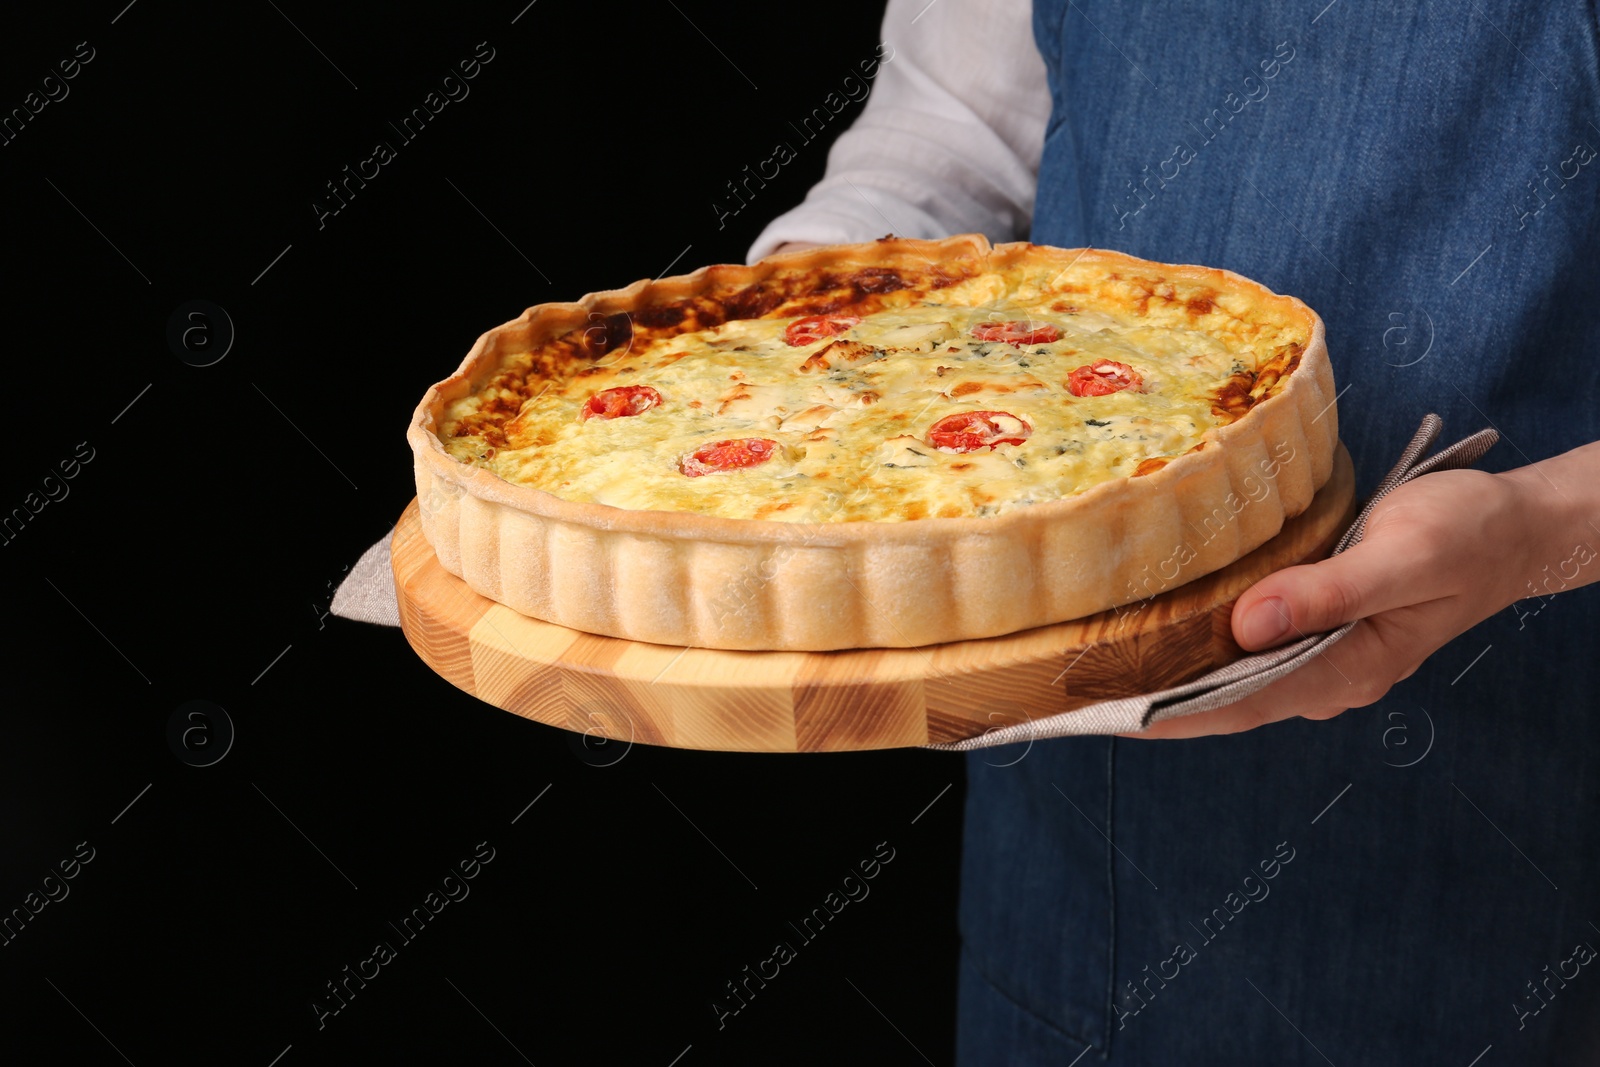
(896, 443)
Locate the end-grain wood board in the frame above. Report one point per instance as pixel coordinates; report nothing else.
(841, 700)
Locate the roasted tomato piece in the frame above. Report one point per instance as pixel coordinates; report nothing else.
(622, 401)
(1017, 332)
(814, 328)
(1103, 377)
(968, 431)
(727, 456)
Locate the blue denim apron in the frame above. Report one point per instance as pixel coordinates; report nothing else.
(1417, 881)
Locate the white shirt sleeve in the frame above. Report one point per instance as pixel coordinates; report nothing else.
(948, 142)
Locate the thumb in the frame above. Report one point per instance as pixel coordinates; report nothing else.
(1374, 576)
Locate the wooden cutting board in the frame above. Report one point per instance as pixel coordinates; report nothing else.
(842, 700)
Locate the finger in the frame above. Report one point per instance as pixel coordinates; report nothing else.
(1314, 691)
(1354, 673)
(1377, 575)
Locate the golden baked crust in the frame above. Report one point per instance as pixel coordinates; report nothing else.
(684, 577)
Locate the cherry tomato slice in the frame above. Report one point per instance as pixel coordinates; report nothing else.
(1102, 378)
(622, 401)
(968, 431)
(727, 456)
(1018, 332)
(814, 328)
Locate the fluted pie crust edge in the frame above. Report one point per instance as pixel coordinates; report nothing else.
(688, 579)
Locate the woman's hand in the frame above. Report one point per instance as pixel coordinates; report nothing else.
(1440, 554)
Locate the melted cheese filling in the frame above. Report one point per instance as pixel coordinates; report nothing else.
(853, 436)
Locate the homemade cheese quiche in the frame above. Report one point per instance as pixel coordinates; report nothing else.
(888, 444)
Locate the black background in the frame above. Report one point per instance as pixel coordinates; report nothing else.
(194, 557)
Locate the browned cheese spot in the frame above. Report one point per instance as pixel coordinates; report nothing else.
(1282, 363)
(1233, 397)
(733, 397)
